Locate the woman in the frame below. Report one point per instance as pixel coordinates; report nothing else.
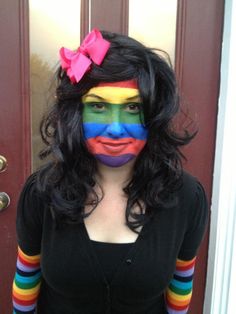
(112, 224)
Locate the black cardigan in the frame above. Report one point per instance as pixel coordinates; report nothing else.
(72, 278)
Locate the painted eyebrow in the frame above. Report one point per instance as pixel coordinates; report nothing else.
(94, 95)
(101, 98)
(134, 97)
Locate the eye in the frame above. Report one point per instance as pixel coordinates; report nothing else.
(97, 106)
(133, 107)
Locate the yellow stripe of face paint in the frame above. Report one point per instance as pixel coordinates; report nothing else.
(113, 95)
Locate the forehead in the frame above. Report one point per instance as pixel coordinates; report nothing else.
(115, 93)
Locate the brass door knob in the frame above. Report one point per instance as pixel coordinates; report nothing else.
(4, 200)
(3, 163)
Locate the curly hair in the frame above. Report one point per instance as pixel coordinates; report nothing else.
(68, 180)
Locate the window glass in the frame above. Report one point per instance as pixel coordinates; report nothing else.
(53, 24)
(153, 22)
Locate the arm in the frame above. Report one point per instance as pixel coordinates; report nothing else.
(179, 292)
(26, 284)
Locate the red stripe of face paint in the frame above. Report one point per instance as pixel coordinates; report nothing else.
(125, 84)
(108, 146)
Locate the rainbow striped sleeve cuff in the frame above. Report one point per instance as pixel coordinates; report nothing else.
(179, 292)
(26, 284)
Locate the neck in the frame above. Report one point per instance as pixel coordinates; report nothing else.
(114, 177)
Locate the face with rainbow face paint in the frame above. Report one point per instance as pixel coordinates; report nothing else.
(112, 124)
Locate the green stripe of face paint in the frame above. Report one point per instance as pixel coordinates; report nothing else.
(109, 113)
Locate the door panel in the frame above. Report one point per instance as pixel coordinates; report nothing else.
(102, 12)
(14, 133)
(197, 58)
(109, 15)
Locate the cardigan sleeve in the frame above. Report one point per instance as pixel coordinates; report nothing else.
(29, 218)
(197, 221)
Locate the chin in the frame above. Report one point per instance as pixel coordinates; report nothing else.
(116, 161)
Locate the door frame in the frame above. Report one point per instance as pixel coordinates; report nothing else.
(198, 73)
(189, 13)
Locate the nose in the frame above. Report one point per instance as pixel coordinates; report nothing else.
(115, 130)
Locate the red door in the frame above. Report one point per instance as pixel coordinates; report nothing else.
(198, 47)
(14, 133)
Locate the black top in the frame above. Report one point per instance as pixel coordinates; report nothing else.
(110, 255)
(73, 281)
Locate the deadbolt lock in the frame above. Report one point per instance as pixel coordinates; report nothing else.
(4, 200)
(3, 163)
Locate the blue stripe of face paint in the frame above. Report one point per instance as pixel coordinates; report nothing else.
(115, 130)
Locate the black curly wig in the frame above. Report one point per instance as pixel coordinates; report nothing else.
(69, 178)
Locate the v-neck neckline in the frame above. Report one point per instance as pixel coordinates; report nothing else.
(128, 259)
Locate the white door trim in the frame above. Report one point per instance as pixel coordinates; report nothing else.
(221, 273)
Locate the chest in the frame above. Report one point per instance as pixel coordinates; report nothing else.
(144, 272)
(107, 223)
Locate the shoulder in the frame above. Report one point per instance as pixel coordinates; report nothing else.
(189, 183)
(29, 219)
(191, 189)
(30, 184)
(195, 201)
(30, 201)
(192, 201)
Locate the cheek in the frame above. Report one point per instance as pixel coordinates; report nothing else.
(93, 129)
(137, 131)
(138, 145)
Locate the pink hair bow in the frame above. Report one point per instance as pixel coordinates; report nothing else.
(77, 63)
